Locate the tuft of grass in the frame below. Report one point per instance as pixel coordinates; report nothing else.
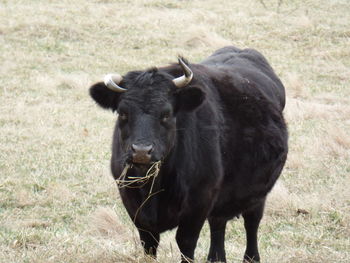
(58, 201)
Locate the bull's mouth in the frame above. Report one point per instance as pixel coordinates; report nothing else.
(141, 162)
(141, 167)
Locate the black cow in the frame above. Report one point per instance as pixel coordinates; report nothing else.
(217, 128)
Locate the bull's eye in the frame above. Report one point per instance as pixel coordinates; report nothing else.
(165, 117)
(123, 116)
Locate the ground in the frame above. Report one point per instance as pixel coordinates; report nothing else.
(58, 202)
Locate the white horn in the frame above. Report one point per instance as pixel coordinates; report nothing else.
(112, 82)
(186, 78)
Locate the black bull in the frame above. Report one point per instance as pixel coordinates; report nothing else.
(221, 140)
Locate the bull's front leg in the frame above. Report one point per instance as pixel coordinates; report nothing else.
(186, 237)
(191, 223)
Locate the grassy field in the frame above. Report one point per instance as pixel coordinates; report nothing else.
(58, 202)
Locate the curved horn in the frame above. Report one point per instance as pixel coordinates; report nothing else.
(186, 78)
(112, 82)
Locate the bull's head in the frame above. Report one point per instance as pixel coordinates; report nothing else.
(148, 104)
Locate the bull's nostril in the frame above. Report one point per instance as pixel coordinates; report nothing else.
(133, 147)
(141, 153)
(150, 150)
(142, 149)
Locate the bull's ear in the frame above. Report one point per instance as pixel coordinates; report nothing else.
(189, 99)
(103, 96)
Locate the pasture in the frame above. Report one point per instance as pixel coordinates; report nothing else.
(58, 201)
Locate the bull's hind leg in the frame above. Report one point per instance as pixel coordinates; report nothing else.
(149, 242)
(252, 219)
(217, 240)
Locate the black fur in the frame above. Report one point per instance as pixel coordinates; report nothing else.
(222, 141)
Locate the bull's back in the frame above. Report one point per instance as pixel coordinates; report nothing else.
(248, 65)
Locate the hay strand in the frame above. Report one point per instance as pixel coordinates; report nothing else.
(129, 182)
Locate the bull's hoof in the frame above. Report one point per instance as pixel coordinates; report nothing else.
(250, 260)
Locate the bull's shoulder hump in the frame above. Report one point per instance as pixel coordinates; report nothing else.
(232, 56)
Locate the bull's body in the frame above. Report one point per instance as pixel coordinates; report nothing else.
(224, 158)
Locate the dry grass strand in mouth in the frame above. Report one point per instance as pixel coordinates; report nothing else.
(153, 171)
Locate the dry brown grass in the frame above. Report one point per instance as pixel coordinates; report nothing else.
(58, 202)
